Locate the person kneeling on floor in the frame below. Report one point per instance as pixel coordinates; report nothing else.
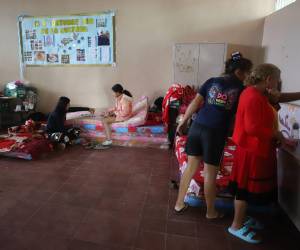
(57, 131)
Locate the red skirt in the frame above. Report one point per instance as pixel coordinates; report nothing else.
(254, 178)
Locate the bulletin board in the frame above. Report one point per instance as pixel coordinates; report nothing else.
(83, 39)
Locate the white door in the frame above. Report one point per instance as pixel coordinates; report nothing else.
(211, 61)
(186, 63)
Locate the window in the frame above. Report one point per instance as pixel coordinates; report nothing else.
(282, 3)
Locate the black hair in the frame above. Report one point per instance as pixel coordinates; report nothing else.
(237, 61)
(118, 88)
(126, 92)
(61, 106)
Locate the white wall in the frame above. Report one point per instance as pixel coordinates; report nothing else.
(281, 40)
(145, 33)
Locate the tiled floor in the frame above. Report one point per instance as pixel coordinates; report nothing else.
(113, 199)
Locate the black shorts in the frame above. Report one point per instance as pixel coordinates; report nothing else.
(206, 142)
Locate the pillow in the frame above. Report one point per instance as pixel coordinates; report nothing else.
(139, 105)
(136, 120)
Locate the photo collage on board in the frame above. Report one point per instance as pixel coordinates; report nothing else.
(67, 40)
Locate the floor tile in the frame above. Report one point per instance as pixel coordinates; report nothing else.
(89, 200)
(176, 242)
(183, 228)
(150, 240)
(155, 211)
(153, 225)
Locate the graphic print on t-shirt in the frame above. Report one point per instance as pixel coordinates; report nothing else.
(222, 98)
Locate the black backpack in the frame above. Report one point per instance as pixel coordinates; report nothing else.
(157, 106)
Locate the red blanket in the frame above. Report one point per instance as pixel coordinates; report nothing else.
(26, 142)
(35, 147)
(177, 92)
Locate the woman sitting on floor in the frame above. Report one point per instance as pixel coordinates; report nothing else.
(56, 128)
(121, 112)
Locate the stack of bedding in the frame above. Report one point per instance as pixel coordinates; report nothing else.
(196, 186)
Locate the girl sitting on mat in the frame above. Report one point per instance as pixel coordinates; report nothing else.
(121, 112)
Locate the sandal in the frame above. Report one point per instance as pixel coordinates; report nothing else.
(245, 234)
(182, 210)
(100, 147)
(88, 145)
(253, 223)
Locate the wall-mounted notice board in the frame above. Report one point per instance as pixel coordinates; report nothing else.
(85, 39)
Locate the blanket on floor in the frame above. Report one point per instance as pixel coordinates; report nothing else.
(26, 142)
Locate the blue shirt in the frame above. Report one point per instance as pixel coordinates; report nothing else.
(221, 96)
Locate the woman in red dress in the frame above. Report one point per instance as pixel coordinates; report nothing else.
(254, 174)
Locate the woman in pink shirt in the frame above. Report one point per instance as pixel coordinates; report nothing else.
(121, 112)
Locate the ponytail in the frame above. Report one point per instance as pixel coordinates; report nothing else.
(118, 88)
(126, 92)
(237, 61)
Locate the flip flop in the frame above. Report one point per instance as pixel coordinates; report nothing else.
(182, 210)
(253, 223)
(88, 146)
(100, 147)
(245, 234)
